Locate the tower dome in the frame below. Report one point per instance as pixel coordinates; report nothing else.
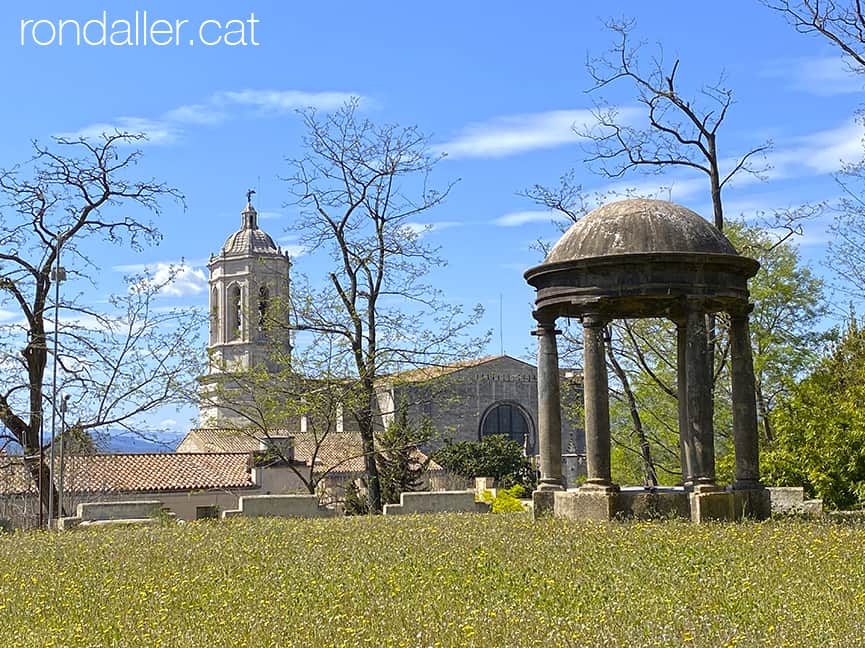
(249, 239)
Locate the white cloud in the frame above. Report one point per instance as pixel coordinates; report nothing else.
(294, 250)
(157, 132)
(518, 218)
(179, 279)
(514, 134)
(286, 100)
(270, 215)
(823, 76)
(168, 128)
(822, 152)
(7, 315)
(196, 114)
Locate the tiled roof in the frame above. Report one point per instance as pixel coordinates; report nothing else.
(437, 371)
(340, 452)
(337, 451)
(122, 473)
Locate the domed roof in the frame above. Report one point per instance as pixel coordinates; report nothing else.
(249, 239)
(639, 226)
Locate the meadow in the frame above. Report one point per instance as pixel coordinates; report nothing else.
(438, 580)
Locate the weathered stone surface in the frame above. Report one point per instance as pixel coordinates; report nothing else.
(786, 499)
(436, 502)
(279, 506)
(542, 503)
(717, 506)
(91, 511)
(813, 508)
(585, 505)
(649, 505)
(752, 503)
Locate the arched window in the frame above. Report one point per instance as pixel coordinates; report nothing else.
(234, 313)
(263, 302)
(214, 316)
(509, 419)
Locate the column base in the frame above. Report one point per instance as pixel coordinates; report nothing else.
(550, 485)
(599, 486)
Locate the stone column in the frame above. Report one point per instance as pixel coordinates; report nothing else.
(686, 442)
(549, 407)
(699, 376)
(745, 438)
(596, 394)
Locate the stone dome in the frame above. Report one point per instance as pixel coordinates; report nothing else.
(639, 226)
(249, 239)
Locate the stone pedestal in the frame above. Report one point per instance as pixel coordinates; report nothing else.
(753, 503)
(543, 503)
(612, 504)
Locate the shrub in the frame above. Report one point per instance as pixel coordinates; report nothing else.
(494, 456)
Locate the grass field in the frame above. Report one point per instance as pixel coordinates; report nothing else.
(443, 580)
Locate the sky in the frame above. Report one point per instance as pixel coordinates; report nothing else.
(497, 86)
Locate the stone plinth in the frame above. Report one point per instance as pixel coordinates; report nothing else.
(641, 504)
(436, 502)
(712, 504)
(753, 503)
(305, 506)
(542, 503)
(97, 513)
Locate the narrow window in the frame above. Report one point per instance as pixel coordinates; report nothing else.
(235, 314)
(263, 301)
(214, 316)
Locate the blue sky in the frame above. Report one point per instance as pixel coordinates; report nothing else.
(497, 85)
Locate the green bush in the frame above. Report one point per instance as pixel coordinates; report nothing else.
(494, 456)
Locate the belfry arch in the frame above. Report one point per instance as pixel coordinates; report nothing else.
(642, 258)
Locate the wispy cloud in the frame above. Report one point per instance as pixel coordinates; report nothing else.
(823, 152)
(518, 218)
(216, 109)
(420, 229)
(157, 132)
(823, 76)
(286, 100)
(180, 279)
(514, 134)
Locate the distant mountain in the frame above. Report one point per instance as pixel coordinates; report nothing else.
(122, 441)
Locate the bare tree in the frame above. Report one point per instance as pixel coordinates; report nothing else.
(841, 23)
(360, 185)
(682, 130)
(114, 364)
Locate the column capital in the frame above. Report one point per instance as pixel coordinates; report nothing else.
(741, 312)
(594, 320)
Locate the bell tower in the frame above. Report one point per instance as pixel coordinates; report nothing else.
(249, 291)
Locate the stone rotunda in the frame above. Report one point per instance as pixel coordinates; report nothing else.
(642, 258)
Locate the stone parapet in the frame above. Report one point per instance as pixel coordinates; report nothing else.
(305, 506)
(436, 502)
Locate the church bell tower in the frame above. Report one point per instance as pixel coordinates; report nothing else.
(249, 291)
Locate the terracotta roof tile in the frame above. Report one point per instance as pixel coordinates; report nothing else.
(121, 473)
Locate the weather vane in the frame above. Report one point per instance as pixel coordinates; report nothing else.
(249, 195)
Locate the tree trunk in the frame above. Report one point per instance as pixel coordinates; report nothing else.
(649, 474)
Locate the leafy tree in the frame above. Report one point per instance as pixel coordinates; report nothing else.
(360, 186)
(114, 363)
(820, 428)
(495, 456)
(400, 466)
